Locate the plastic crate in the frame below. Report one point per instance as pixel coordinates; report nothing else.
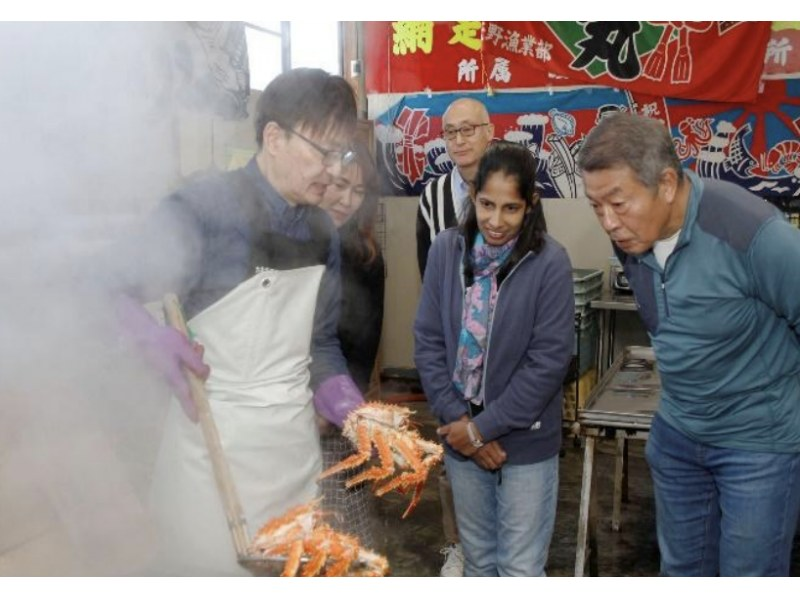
(586, 339)
(586, 320)
(582, 304)
(587, 285)
(585, 280)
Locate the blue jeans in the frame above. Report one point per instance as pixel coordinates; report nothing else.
(505, 519)
(722, 511)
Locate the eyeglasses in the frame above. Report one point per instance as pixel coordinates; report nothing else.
(465, 130)
(329, 157)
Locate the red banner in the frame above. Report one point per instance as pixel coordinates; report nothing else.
(783, 50)
(413, 56)
(705, 60)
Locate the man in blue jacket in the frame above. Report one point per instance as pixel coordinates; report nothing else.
(714, 272)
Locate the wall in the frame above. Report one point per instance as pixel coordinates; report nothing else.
(207, 142)
(402, 282)
(570, 221)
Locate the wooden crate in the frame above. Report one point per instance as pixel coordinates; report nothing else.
(585, 385)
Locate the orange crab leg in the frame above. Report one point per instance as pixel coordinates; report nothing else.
(414, 501)
(363, 454)
(293, 559)
(315, 563)
(402, 482)
(385, 469)
(342, 565)
(417, 474)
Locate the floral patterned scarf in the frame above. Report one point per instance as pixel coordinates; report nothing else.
(479, 303)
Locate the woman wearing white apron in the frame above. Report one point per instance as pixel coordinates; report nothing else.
(257, 341)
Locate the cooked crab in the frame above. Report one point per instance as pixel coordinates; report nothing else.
(400, 449)
(302, 533)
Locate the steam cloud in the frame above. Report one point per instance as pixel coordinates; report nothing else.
(88, 147)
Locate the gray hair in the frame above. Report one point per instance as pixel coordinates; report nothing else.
(624, 139)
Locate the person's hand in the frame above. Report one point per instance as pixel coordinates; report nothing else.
(171, 353)
(456, 435)
(166, 350)
(336, 398)
(490, 456)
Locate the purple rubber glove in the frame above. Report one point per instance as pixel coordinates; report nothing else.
(336, 398)
(165, 349)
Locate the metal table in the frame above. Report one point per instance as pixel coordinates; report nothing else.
(621, 407)
(608, 305)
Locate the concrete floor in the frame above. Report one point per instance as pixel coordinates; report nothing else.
(412, 545)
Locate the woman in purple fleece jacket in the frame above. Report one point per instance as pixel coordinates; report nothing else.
(494, 336)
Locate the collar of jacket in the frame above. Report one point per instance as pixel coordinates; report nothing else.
(462, 247)
(692, 206)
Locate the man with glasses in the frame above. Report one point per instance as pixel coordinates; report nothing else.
(255, 263)
(467, 132)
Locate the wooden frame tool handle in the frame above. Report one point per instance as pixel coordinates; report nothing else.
(222, 473)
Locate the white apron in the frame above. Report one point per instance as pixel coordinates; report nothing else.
(257, 341)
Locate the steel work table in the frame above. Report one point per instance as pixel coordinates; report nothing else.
(621, 407)
(608, 305)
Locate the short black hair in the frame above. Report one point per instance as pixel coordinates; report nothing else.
(311, 98)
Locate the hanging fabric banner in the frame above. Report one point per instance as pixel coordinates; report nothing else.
(754, 145)
(414, 56)
(683, 59)
(783, 50)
